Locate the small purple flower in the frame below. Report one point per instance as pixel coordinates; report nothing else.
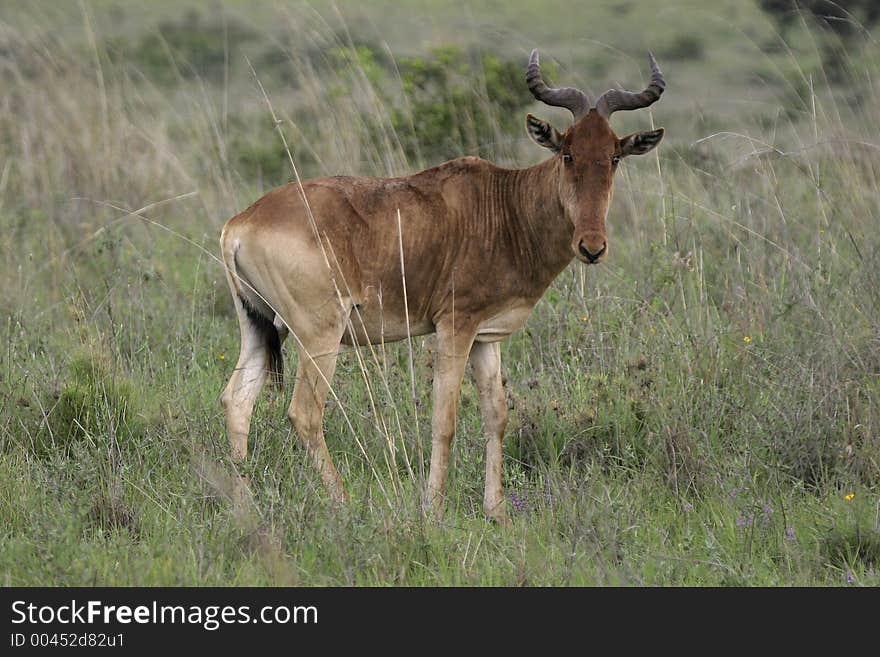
(789, 534)
(745, 521)
(850, 577)
(768, 510)
(518, 502)
(687, 507)
(734, 493)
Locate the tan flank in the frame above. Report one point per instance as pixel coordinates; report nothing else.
(324, 261)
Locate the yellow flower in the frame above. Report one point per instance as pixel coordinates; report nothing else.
(584, 318)
(849, 496)
(747, 339)
(652, 330)
(222, 356)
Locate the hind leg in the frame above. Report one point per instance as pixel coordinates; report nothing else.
(245, 383)
(318, 346)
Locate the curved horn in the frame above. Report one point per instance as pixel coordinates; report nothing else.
(572, 99)
(617, 99)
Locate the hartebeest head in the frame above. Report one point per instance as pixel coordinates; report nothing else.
(589, 151)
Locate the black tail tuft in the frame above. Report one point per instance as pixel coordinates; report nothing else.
(272, 340)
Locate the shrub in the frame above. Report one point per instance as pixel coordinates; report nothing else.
(93, 402)
(684, 46)
(846, 18)
(189, 47)
(448, 115)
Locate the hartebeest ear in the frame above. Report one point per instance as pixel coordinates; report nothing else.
(639, 143)
(543, 133)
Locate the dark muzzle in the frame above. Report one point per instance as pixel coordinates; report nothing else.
(589, 255)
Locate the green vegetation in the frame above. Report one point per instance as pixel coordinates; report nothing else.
(703, 409)
(455, 106)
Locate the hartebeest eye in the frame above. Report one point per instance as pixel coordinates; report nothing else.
(567, 158)
(615, 159)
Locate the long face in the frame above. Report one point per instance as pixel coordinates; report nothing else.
(589, 152)
(588, 155)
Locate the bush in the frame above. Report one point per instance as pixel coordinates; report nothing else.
(93, 402)
(189, 47)
(448, 115)
(846, 18)
(684, 46)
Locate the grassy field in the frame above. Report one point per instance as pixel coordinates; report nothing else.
(702, 409)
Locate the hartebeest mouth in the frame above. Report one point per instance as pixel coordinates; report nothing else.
(464, 250)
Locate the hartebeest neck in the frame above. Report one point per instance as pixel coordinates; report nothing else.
(537, 222)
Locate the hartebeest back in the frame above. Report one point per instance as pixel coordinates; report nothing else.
(481, 244)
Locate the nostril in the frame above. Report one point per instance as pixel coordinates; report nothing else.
(585, 252)
(591, 257)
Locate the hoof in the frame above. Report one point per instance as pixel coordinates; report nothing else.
(500, 519)
(241, 492)
(339, 498)
(496, 511)
(432, 510)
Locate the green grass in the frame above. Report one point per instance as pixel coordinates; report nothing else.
(700, 410)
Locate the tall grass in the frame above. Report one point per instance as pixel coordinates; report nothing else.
(702, 409)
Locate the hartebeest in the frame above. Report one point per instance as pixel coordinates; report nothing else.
(479, 245)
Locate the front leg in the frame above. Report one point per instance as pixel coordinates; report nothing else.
(486, 364)
(453, 347)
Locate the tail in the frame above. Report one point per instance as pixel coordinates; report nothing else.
(257, 311)
(266, 328)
